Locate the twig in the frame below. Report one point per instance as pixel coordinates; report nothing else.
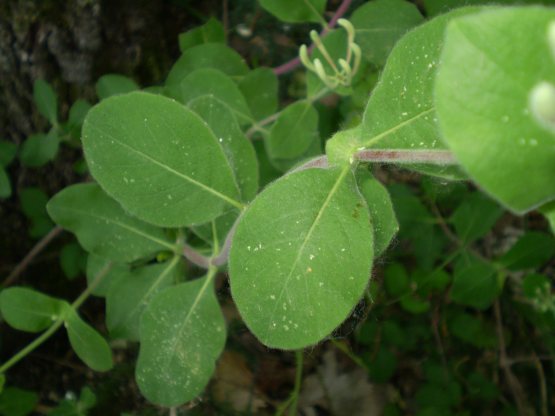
(504, 363)
(41, 245)
(295, 62)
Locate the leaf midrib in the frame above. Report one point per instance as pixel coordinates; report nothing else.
(200, 185)
(333, 190)
(122, 225)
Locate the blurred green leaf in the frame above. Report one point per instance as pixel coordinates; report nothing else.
(28, 310)
(472, 330)
(17, 402)
(380, 23)
(33, 204)
(474, 283)
(39, 149)
(46, 100)
(8, 151)
(114, 84)
(295, 11)
(5, 185)
(396, 280)
(73, 260)
(475, 217)
(532, 250)
(210, 32)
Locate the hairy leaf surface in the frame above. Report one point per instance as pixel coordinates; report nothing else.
(158, 159)
(490, 63)
(295, 269)
(182, 335)
(103, 227)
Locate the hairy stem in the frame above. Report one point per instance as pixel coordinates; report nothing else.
(291, 402)
(295, 62)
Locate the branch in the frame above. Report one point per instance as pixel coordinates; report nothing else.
(429, 157)
(295, 62)
(23, 264)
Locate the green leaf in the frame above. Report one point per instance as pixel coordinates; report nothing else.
(213, 83)
(384, 222)
(532, 250)
(418, 226)
(428, 282)
(379, 25)
(413, 304)
(396, 280)
(472, 330)
(88, 344)
(400, 113)
(475, 217)
(39, 149)
(382, 366)
(71, 406)
(111, 271)
(474, 283)
(182, 335)
(132, 292)
(536, 286)
(548, 210)
(210, 32)
(493, 135)
(208, 55)
(5, 185)
(33, 204)
(238, 149)
(8, 151)
(158, 160)
(17, 402)
(295, 11)
(73, 260)
(298, 233)
(77, 114)
(103, 227)
(260, 89)
(46, 101)
(29, 310)
(114, 84)
(294, 131)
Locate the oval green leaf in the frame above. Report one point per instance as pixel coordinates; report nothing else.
(294, 131)
(490, 63)
(400, 113)
(88, 344)
(103, 227)
(29, 310)
(46, 101)
(295, 271)
(214, 83)
(208, 55)
(158, 159)
(182, 335)
(114, 84)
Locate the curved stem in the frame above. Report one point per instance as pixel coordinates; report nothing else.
(23, 264)
(295, 62)
(57, 323)
(293, 399)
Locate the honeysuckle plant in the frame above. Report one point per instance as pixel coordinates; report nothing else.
(467, 95)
